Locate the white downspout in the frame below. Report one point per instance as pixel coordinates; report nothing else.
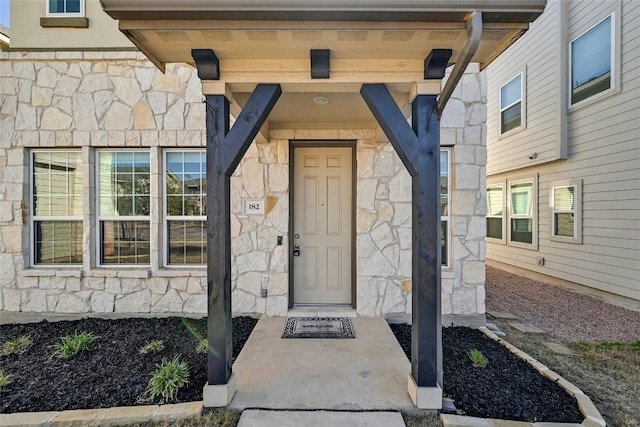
(474, 35)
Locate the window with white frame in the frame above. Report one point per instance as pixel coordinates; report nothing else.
(495, 211)
(444, 204)
(521, 211)
(511, 95)
(65, 7)
(123, 207)
(565, 206)
(56, 217)
(592, 61)
(185, 207)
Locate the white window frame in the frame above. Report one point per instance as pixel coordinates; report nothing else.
(447, 218)
(101, 218)
(533, 212)
(166, 217)
(614, 85)
(65, 14)
(504, 217)
(36, 218)
(576, 211)
(523, 102)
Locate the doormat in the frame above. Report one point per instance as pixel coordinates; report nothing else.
(318, 327)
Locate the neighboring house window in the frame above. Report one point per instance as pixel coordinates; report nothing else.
(444, 204)
(511, 105)
(521, 211)
(185, 207)
(65, 7)
(123, 207)
(495, 211)
(566, 213)
(57, 207)
(591, 61)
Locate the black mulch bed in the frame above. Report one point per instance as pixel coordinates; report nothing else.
(115, 374)
(507, 388)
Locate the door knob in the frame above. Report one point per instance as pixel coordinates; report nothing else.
(296, 250)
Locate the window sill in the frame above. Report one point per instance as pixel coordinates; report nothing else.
(512, 132)
(529, 246)
(142, 273)
(571, 240)
(51, 272)
(594, 99)
(182, 272)
(495, 240)
(64, 22)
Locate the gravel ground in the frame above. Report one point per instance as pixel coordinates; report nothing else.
(568, 315)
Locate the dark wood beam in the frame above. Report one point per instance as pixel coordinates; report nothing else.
(419, 148)
(207, 63)
(225, 149)
(248, 123)
(435, 64)
(392, 122)
(320, 63)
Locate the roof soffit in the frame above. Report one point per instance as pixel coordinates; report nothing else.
(270, 41)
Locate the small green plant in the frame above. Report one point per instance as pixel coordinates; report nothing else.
(479, 360)
(151, 347)
(77, 343)
(18, 345)
(202, 347)
(5, 379)
(168, 377)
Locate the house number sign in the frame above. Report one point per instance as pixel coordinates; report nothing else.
(254, 206)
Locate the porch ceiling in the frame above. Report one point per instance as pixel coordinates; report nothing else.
(373, 41)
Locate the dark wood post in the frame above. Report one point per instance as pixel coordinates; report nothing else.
(218, 243)
(419, 150)
(426, 332)
(225, 149)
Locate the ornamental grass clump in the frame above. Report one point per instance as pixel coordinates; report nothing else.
(17, 346)
(151, 347)
(168, 377)
(202, 347)
(77, 343)
(479, 360)
(5, 379)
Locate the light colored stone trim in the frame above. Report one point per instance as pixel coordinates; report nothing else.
(27, 419)
(181, 272)
(424, 397)
(59, 271)
(220, 395)
(142, 273)
(103, 417)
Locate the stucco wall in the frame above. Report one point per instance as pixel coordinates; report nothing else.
(94, 100)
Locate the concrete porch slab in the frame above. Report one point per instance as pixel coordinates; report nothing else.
(365, 373)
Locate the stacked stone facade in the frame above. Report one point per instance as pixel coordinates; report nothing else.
(94, 100)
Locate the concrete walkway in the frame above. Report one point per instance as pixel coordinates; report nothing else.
(369, 372)
(262, 418)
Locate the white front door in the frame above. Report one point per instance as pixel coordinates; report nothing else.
(322, 225)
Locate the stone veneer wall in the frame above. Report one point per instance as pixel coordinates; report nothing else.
(92, 100)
